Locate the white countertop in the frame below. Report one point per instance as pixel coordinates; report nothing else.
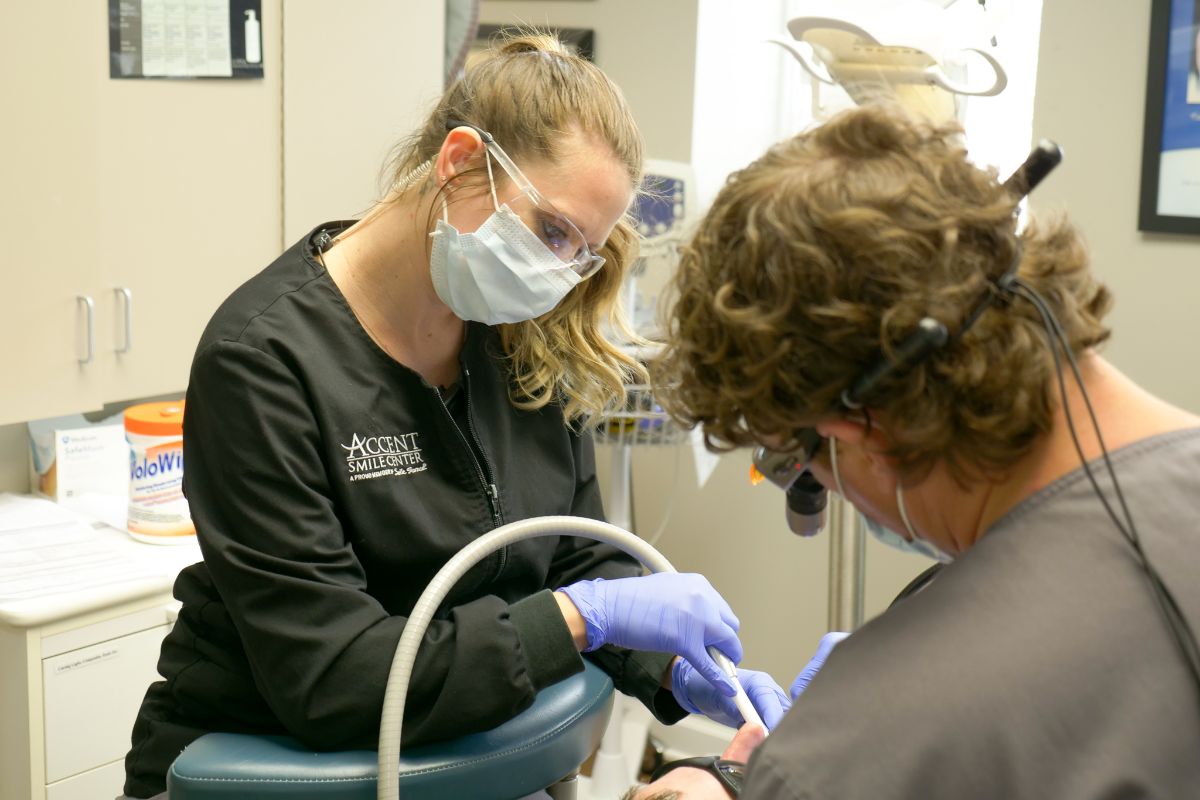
(138, 569)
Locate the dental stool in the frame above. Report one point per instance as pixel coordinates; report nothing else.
(541, 748)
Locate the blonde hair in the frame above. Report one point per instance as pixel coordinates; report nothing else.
(530, 92)
(828, 250)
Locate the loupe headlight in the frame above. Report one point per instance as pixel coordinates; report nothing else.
(788, 469)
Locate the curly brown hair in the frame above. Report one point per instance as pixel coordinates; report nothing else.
(828, 250)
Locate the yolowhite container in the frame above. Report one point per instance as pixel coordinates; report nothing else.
(158, 511)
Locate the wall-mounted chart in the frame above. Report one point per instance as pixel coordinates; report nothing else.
(185, 38)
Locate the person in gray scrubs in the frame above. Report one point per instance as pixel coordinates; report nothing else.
(1043, 659)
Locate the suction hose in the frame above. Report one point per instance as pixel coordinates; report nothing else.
(406, 651)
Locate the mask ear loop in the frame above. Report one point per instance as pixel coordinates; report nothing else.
(487, 155)
(837, 479)
(445, 211)
(833, 462)
(908, 526)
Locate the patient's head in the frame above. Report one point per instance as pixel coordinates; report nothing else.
(680, 784)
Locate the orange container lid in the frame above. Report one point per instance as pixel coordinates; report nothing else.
(155, 419)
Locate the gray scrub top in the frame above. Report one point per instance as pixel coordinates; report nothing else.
(1036, 665)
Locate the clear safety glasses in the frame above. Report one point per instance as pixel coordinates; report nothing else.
(549, 224)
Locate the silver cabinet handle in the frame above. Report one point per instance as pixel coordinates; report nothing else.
(123, 291)
(90, 308)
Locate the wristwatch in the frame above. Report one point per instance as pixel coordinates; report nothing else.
(729, 773)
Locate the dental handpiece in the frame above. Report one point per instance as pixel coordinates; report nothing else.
(741, 699)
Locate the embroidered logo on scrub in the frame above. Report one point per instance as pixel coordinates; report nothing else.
(369, 457)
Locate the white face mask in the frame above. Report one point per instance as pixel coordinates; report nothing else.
(885, 534)
(500, 273)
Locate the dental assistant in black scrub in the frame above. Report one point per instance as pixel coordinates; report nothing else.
(390, 389)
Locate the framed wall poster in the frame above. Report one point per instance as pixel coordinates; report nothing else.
(185, 39)
(1170, 194)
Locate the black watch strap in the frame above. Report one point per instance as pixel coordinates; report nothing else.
(728, 772)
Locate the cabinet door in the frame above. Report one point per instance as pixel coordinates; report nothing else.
(101, 783)
(92, 696)
(193, 210)
(47, 228)
(170, 189)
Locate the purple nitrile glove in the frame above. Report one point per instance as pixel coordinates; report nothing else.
(667, 612)
(824, 648)
(697, 696)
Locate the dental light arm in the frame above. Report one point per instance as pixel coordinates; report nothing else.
(916, 53)
(406, 651)
(816, 61)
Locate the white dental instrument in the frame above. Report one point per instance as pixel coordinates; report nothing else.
(741, 699)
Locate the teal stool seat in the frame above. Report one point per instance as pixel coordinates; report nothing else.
(541, 745)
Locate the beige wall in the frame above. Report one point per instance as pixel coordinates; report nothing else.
(349, 94)
(14, 468)
(1090, 98)
(647, 48)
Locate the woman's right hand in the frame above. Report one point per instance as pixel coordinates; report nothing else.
(666, 612)
(697, 696)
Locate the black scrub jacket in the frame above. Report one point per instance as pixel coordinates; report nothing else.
(328, 484)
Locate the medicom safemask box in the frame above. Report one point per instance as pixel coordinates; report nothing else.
(70, 457)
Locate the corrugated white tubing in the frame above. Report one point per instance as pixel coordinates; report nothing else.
(388, 782)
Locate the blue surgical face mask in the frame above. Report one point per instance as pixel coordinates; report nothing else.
(501, 272)
(885, 534)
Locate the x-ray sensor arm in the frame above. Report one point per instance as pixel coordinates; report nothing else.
(396, 693)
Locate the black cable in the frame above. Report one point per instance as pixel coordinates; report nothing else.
(1177, 622)
(917, 584)
(1175, 618)
(1028, 293)
(1066, 346)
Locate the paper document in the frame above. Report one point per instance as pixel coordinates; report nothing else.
(45, 549)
